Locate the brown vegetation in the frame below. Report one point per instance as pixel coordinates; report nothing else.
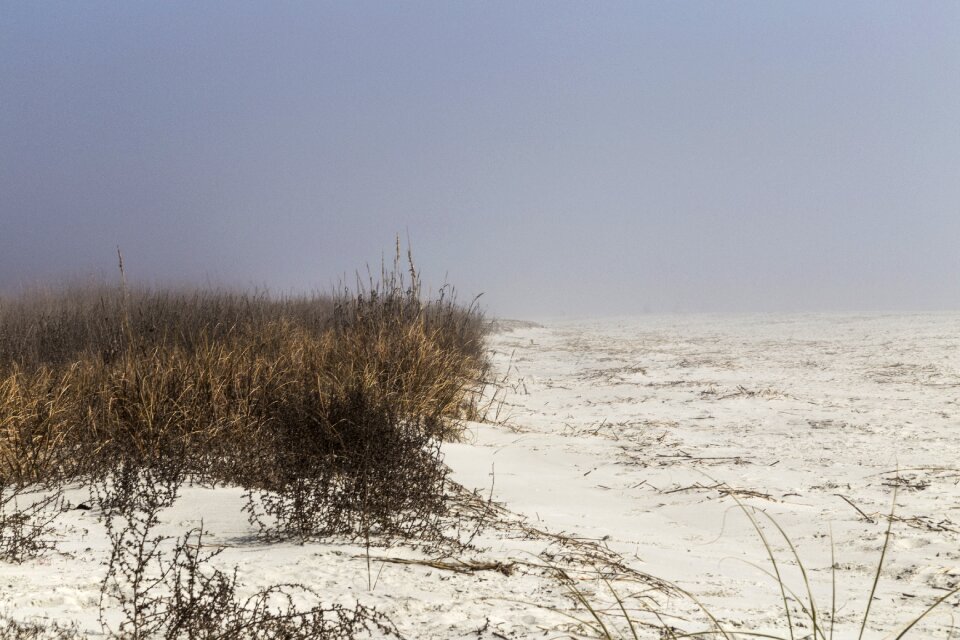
(329, 410)
(341, 398)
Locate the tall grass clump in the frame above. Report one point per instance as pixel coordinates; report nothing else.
(327, 408)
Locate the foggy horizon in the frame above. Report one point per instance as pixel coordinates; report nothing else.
(562, 159)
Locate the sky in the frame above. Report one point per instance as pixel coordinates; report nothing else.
(560, 158)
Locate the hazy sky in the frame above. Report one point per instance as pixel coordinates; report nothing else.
(562, 158)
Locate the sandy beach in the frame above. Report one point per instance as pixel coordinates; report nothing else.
(619, 450)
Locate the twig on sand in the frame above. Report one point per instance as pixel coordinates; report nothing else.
(725, 490)
(687, 457)
(452, 564)
(693, 487)
(859, 510)
(928, 524)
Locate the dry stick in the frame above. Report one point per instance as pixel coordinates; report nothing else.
(692, 487)
(865, 516)
(920, 522)
(457, 566)
(124, 300)
(884, 473)
(483, 514)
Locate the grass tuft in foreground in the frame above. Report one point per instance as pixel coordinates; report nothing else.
(631, 613)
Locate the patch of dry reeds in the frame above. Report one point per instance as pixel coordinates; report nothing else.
(330, 403)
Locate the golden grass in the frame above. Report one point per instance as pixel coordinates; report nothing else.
(88, 375)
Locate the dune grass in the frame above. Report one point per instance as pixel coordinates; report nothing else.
(350, 390)
(618, 622)
(327, 409)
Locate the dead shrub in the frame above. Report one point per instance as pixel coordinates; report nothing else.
(26, 520)
(203, 604)
(373, 475)
(166, 587)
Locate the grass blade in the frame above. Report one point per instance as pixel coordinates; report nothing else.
(883, 553)
(924, 614)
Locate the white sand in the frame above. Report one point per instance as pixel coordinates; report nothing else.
(620, 431)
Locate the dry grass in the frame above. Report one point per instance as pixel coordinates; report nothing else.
(621, 615)
(348, 392)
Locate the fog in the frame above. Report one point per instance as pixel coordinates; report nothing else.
(562, 158)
